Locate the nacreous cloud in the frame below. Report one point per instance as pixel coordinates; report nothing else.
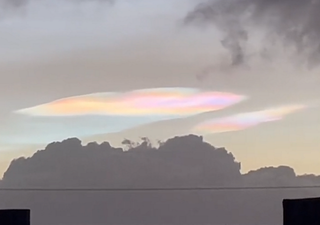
(245, 120)
(145, 102)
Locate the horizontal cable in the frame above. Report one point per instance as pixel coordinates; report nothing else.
(155, 189)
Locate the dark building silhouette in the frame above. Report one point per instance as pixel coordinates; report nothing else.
(301, 211)
(15, 217)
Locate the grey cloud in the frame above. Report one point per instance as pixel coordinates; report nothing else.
(232, 43)
(294, 22)
(185, 161)
(235, 35)
(14, 4)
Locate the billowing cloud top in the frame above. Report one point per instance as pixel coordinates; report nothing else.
(159, 101)
(246, 120)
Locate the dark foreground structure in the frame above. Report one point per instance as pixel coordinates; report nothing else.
(15, 217)
(295, 212)
(301, 211)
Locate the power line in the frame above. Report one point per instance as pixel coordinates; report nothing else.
(156, 189)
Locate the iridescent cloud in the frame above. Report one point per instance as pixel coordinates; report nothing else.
(146, 102)
(245, 120)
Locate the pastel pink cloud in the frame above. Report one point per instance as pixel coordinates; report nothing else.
(246, 120)
(158, 101)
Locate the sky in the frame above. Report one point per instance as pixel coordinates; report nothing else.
(130, 69)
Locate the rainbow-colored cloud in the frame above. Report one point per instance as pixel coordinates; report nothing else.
(145, 102)
(245, 120)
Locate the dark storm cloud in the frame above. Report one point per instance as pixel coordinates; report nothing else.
(294, 22)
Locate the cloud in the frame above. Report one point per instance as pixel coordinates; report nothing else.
(185, 161)
(13, 3)
(246, 120)
(21, 8)
(293, 22)
(20, 3)
(146, 102)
